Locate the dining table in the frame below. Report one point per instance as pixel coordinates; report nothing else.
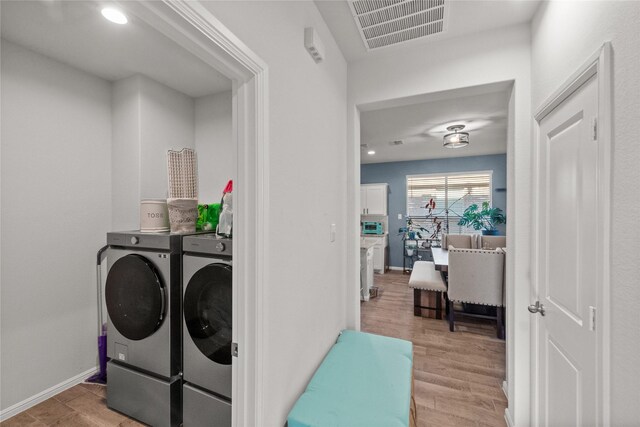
(440, 259)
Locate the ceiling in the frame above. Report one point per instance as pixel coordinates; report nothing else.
(462, 17)
(74, 32)
(421, 122)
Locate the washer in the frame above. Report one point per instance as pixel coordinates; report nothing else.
(142, 295)
(207, 334)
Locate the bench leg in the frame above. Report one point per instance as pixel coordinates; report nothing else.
(417, 302)
(446, 305)
(500, 322)
(439, 305)
(451, 317)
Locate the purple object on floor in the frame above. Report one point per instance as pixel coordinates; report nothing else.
(101, 376)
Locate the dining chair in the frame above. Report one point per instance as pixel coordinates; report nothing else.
(476, 276)
(492, 242)
(458, 240)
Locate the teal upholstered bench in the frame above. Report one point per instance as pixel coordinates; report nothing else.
(365, 380)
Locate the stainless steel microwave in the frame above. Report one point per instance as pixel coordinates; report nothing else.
(372, 227)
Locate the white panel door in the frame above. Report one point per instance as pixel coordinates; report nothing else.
(376, 200)
(567, 220)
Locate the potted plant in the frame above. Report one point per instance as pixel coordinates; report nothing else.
(485, 218)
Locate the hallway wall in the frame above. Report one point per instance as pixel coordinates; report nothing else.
(564, 35)
(304, 291)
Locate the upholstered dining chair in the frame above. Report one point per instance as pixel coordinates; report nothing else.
(492, 242)
(476, 276)
(458, 241)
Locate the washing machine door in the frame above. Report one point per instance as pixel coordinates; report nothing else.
(207, 308)
(135, 297)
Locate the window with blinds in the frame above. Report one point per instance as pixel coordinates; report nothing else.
(452, 193)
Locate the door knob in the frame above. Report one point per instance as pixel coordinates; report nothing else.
(536, 308)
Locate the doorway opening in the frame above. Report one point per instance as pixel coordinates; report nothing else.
(187, 55)
(400, 152)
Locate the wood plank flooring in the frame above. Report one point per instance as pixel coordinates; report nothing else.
(83, 405)
(457, 375)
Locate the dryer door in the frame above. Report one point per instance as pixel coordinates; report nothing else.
(135, 297)
(207, 311)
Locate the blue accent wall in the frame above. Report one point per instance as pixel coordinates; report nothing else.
(395, 174)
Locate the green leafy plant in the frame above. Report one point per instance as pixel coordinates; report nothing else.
(486, 218)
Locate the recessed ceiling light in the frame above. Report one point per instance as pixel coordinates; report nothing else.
(114, 15)
(371, 152)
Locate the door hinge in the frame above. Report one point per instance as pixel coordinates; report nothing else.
(595, 129)
(234, 349)
(592, 318)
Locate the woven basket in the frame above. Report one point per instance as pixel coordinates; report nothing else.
(183, 215)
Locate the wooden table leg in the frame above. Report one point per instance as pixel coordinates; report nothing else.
(416, 302)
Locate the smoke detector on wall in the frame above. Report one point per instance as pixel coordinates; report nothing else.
(384, 23)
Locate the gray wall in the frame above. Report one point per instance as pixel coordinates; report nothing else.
(149, 118)
(56, 209)
(215, 145)
(395, 174)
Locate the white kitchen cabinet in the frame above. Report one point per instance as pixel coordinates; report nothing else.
(373, 199)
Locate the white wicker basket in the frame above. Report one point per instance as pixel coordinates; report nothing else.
(182, 171)
(183, 215)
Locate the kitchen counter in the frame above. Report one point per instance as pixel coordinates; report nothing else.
(374, 235)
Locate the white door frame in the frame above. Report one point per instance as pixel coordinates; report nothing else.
(598, 65)
(192, 26)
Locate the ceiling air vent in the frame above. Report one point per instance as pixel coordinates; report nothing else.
(397, 142)
(388, 22)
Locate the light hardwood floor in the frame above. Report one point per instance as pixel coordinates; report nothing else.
(457, 375)
(83, 405)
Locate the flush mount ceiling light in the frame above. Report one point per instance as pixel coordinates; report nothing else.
(456, 139)
(114, 15)
(371, 152)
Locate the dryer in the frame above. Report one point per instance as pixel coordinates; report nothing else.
(207, 331)
(142, 294)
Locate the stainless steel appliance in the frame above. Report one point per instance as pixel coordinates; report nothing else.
(142, 295)
(207, 332)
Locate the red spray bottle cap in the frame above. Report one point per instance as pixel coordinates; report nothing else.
(229, 187)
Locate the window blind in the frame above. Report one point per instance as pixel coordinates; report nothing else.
(452, 193)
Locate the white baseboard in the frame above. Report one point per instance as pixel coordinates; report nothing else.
(507, 417)
(395, 268)
(14, 410)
